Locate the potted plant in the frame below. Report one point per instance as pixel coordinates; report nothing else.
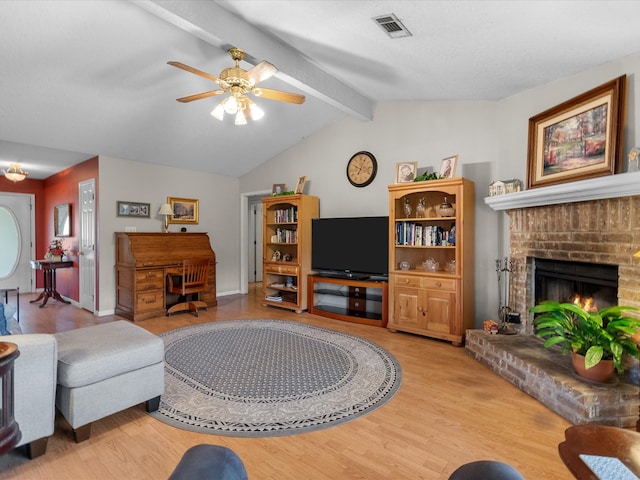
(598, 336)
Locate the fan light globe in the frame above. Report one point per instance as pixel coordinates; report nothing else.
(240, 118)
(231, 105)
(256, 112)
(218, 112)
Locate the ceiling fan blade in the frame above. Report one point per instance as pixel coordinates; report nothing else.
(193, 70)
(261, 72)
(278, 95)
(198, 96)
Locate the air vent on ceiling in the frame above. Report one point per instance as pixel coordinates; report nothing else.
(392, 26)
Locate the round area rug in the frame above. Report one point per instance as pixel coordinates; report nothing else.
(261, 378)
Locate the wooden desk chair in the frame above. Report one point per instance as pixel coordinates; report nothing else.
(601, 441)
(194, 279)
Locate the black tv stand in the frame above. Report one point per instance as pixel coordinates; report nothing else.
(348, 299)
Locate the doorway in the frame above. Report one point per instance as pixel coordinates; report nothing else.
(250, 222)
(18, 220)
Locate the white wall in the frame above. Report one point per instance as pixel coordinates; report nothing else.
(489, 137)
(219, 215)
(424, 132)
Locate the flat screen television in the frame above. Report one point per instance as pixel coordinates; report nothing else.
(350, 247)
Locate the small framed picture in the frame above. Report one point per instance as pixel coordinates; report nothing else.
(300, 184)
(278, 188)
(133, 209)
(406, 171)
(448, 167)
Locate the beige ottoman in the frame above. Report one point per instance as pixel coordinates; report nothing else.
(106, 368)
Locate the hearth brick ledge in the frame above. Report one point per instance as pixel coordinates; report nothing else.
(548, 377)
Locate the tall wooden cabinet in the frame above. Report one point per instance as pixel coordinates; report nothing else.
(286, 252)
(436, 302)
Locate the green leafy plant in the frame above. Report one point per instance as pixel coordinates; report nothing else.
(427, 176)
(605, 334)
(282, 194)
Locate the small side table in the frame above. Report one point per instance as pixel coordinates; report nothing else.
(6, 292)
(49, 270)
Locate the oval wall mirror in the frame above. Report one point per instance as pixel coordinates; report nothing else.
(10, 241)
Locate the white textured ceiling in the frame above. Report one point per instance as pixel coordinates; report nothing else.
(79, 79)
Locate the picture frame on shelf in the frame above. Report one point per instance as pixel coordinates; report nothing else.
(62, 220)
(578, 139)
(278, 188)
(406, 172)
(448, 167)
(133, 209)
(300, 184)
(185, 210)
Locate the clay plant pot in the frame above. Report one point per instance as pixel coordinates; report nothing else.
(600, 372)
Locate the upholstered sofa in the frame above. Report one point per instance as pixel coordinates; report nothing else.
(35, 375)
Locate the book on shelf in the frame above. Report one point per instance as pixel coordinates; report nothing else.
(415, 234)
(286, 215)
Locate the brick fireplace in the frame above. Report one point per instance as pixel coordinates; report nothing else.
(594, 221)
(603, 231)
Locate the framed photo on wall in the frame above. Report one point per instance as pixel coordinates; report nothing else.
(578, 139)
(133, 209)
(406, 172)
(185, 210)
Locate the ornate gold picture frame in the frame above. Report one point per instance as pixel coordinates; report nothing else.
(578, 139)
(185, 210)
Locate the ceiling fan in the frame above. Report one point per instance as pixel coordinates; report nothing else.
(239, 82)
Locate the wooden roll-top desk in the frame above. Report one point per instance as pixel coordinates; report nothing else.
(143, 261)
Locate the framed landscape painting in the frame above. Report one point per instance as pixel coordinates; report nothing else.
(185, 210)
(578, 139)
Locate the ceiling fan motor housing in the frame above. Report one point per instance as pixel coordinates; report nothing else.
(235, 77)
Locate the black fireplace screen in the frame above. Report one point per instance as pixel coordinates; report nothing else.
(593, 286)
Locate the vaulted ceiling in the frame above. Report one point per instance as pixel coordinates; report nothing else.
(79, 79)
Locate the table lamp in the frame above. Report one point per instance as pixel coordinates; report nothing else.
(166, 210)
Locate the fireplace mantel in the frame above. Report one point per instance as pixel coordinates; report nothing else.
(610, 186)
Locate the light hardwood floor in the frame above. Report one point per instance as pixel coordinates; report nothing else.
(449, 410)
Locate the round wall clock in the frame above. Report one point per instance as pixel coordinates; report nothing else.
(362, 169)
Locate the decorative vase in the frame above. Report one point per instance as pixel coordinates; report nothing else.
(407, 208)
(446, 209)
(420, 208)
(601, 372)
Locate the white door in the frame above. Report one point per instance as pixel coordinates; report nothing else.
(255, 242)
(16, 223)
(87, 245)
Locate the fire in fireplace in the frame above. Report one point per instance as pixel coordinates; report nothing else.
(594, 286)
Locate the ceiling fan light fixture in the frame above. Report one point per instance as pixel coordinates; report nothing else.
(240, 118)
(231, 105)
(15, 173)
(256, 112)
(218, 112)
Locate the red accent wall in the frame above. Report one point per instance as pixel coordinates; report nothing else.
(61, 188)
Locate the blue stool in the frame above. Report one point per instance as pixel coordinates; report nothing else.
(209, 462)
(486, 470)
